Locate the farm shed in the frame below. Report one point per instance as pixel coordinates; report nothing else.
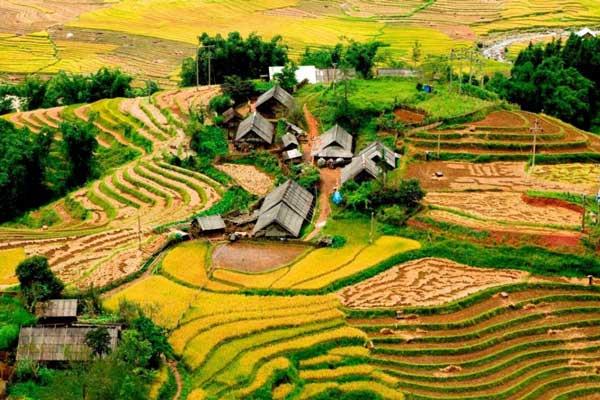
(293, 155)
(208, 224)
(232, 118)
(295, 130)
(57, 311)
(67, 343)
(284, 211)
(289, 142)
(275, 102)
(255, 131)
(334, 146)
(369, 163)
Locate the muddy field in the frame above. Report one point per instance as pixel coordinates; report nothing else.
(504, 176)
(249, 177)
(506, 207)
(425, 282)
(409, 117)
(254, 256)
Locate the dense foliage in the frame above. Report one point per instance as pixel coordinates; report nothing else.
(233, 55)
(35, 168)
(560, 79)
(65, 88)
(238, 89)
(360, 56)
(37, 281)
(12, 316)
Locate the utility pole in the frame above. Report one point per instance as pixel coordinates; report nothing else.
(439, 144)
(209, 47)
(583, 215)
(139, 232)
(334, 75)
(451, 68)
(372, 227)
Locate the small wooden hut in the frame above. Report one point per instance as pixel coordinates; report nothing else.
(275, 102)
(254, 132)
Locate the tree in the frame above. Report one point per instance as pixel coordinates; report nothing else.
(208, 142)
(361, 57)
(79, 144)
(219, 104)
(287, 77)
(134, 349)
(416, 53)
(233, 55)
(37, 281)
(156, 336)
(323, 57)
(98, 340)
(238, 89)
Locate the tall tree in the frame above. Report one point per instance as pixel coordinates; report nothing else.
(37, 281)
(98, 340)
(79, 145)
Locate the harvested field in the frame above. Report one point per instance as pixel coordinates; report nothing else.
(254, 256)
(504, 176)
(409, 117)
(249, 177)
(508, 208)
(425, 282)
(512, 342)
(577, 173)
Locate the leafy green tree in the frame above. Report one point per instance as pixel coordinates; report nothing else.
(238, 89)
(233, 55)
(65, 89)
(98, 340)
(134, 349)
(287, 77)
(34, 90)
(208, 142)
(107, 84)
(416, 53)
(323, 57)
(156, 336)
(79, 145)
(219, 104)
(37, 281)
(361, 57)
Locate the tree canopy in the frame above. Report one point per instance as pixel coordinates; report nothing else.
(560, 79)
(37, 281)
(232, 55)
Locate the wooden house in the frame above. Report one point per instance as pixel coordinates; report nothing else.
(370, 163)
(284, 211)
(293, 156)
(56, 344)
(275, 102)
(334, 147)
(231, 119)
(254, 132)
(289, 142)
(206, 225)
(62, 311)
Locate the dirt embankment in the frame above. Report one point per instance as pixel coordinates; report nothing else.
(546, 202)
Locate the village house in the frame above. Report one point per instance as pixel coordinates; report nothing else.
(231, 119)
(370, 163)
(295, 130)
(289, 142)
(254, 132)
(284, 211)
(55, 312)
(275, 102)
(59, 343)
(206, 225)
(334, 147)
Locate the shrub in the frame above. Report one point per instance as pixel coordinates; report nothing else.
(220, 104)
(338, 241)
(394, 215)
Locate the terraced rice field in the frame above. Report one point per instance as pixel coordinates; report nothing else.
(519, 341)
(249, 177)
(504, 176)
(425, 282)
(124, 206)
(506, 132)
(507, 208)
(9, 259)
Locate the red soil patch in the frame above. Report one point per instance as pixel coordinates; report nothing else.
(545, 202)
(409, 117)
(502, 119)
(254, 256)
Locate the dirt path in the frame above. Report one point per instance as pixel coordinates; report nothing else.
(173, 367)
(330, 178)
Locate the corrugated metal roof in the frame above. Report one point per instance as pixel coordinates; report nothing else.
(259, 125)
(211, 223)
(292, 154)
(379, 150)
(289, 140)
(358, 165)
(57, 308)
(279, 94)
(58, 343)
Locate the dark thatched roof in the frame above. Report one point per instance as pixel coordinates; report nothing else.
(231, 115)
(377, 151)
(288, 205)
(211, 223)
(279, 94)
(335, 143)
(66, 308)
(259, 125)
(58, 343)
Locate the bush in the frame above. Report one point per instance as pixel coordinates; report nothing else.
(394, 215)
(219, 104)
(338, 241)
(38, 282)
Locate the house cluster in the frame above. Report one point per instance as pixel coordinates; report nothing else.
(57, 336)
(257, 130)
